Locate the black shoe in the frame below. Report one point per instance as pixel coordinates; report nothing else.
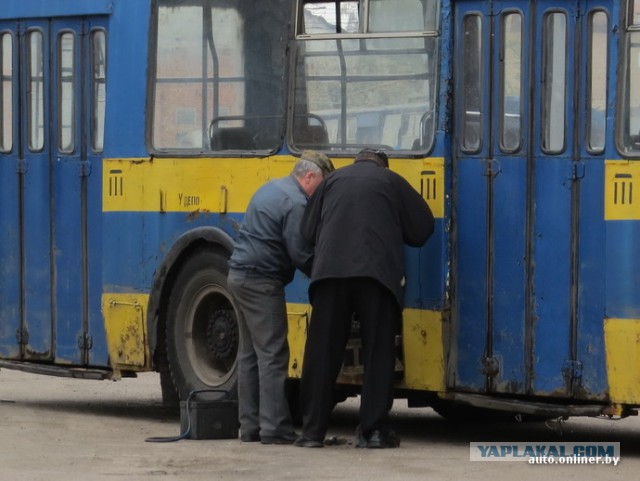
(277, 439)
(303, 442)
(360, 441)
(250, 437)
(382, 440)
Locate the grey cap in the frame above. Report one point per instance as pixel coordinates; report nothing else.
(319, 159)
(372, 155)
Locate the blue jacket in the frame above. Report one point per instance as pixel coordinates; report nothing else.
(269, 242)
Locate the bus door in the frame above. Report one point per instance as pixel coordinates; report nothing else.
(517, 174)
(574, 81)
(490, 197)
(78, 82)
(45, 189)
(35, 335)
(9, 197)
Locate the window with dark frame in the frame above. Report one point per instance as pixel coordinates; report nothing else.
(6, 92)
(366, 74)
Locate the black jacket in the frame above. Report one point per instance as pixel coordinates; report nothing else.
(359, 219)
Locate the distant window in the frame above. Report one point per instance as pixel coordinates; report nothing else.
(332, 17)
(98, 88)
(35, 96)
(554, 82)
(511, 80)
(403, 15)
(66, 88)
(597, 88)
(634, 12)
(471, 78)
(344, 16)
(629, 126)
(6, 92)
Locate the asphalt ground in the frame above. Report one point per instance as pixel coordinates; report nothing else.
(55, 429)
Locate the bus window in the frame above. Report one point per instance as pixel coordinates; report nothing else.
(345, 100)
(471, 115)
(6, 92)
(66, 123)
(403, 15)
(511, 81)
(352, 90)
(35, 95)
(98, 88)
(331, 17)
(634, 8)
(343, 16)
(219, 74)
(629, 127)
(597, 89)
(554, 70)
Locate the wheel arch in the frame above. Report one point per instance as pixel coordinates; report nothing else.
(165, 276)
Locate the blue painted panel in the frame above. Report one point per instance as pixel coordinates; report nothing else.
(68, 259)
(146, 237)
(470, 323)
(37, 241)
(552, 275)
(9, 258)
(127, 80)
(426, 272)
(10, 234)
(623, 269)
(56, 8)
(98, 355)
(591, 295)
(123, 268)
(509, 274)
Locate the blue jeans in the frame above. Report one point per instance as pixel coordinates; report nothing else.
(263, 357)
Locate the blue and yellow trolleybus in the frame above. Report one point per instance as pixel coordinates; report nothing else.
(134, 132)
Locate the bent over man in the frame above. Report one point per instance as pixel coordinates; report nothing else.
(359, 219)
(268, 250)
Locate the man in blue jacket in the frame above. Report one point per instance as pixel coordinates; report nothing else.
(267, 252)
(359, 219)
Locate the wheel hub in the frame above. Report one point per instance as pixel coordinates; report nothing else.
(222, 335)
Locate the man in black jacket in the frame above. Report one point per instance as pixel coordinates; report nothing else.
(359, 220)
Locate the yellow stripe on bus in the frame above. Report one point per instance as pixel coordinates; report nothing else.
(622, 346)
(221, 185)
(422, 347)
(622, 190)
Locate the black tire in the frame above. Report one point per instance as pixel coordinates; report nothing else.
(202, 329)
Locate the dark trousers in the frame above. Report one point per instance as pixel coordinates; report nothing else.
(263, 355)
(334, 302)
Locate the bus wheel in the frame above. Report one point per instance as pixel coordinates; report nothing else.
(202, 331)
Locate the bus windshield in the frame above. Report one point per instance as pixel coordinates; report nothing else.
(219, 72)
(366, 81)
